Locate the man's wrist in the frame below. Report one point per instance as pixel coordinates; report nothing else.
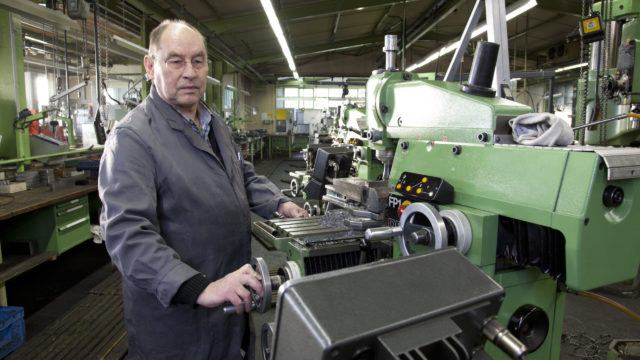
(190, 290)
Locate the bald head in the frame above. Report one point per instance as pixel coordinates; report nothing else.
(171, 26)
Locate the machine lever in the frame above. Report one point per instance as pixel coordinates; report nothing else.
(230, 309)
(423, 236)
(382, 233)
(503, 339)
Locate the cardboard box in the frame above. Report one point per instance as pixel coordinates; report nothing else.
(13, 187)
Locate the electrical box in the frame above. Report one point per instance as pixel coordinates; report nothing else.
(77, 9)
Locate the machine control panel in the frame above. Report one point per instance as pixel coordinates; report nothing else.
(424, 188)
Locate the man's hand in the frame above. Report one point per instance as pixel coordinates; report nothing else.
(232, 289)
(290, 210)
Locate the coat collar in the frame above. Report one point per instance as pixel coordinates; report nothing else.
(178, 123)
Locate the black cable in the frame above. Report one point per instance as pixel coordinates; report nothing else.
(104, 85)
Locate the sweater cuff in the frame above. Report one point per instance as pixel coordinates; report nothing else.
(190, 290)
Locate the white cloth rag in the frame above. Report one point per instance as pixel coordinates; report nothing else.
(541, 129)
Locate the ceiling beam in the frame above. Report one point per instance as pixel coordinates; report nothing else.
(531, 28)
(218, 47)
(319, 49)
(565, 7)
(152, 9)
(429, 19)
(296, 12)
(378, 28)
(332, 38)
(335, 46)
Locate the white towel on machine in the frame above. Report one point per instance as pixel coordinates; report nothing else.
(541, 129)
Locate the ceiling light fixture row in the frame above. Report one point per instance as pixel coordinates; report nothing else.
(513, 11)
(277, 30)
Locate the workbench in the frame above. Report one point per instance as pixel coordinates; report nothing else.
(291, 142)
(252, 146)
(45, 222)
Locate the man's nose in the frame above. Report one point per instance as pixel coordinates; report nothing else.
(189, 71)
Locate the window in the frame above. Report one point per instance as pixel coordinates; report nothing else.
(290, 92)
(322, 103)
(322, 92)
(318, 97)
(227, 99)
(335, 92)
(291, 104)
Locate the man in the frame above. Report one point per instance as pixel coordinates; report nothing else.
(176, 200)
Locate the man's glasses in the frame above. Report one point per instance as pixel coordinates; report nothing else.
(176, 63)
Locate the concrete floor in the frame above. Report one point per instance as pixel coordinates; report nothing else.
(589, 326)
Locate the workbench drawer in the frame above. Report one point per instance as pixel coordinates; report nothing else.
(70, 213)
(63, 207)
(71, 233)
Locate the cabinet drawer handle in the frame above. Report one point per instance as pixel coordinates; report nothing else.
(72, 224)
(69, 210)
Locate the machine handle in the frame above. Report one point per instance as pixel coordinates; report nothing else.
(230, 309)
(503, 339)
(382, 233)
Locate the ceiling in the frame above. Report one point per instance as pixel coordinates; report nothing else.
(344, 37)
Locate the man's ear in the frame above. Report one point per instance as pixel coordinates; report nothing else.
(148, 66)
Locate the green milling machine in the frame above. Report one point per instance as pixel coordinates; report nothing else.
(541, 221)
(352, 131)
(608, 92)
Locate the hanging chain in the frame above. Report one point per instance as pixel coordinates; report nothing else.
(83, 58)
(603, 68)
(607, 8)
(585, 55)
(105, 34)
(44, 55)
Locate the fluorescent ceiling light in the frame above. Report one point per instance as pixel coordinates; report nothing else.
(213, 81)
(277, 30)
(571, 67)
(235, 89)
(513, 11)
(32, 39)
(129, 45)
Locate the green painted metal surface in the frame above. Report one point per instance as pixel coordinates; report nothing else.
(402, 106)
(529, 288)
(55, 228)
(559, 188)
(621, 132)
(12, 94)
(368, 168)
(620, 9)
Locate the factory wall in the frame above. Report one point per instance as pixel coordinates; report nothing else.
(263, 100)
(537, 96)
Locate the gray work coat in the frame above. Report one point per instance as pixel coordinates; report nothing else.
(173, 209)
